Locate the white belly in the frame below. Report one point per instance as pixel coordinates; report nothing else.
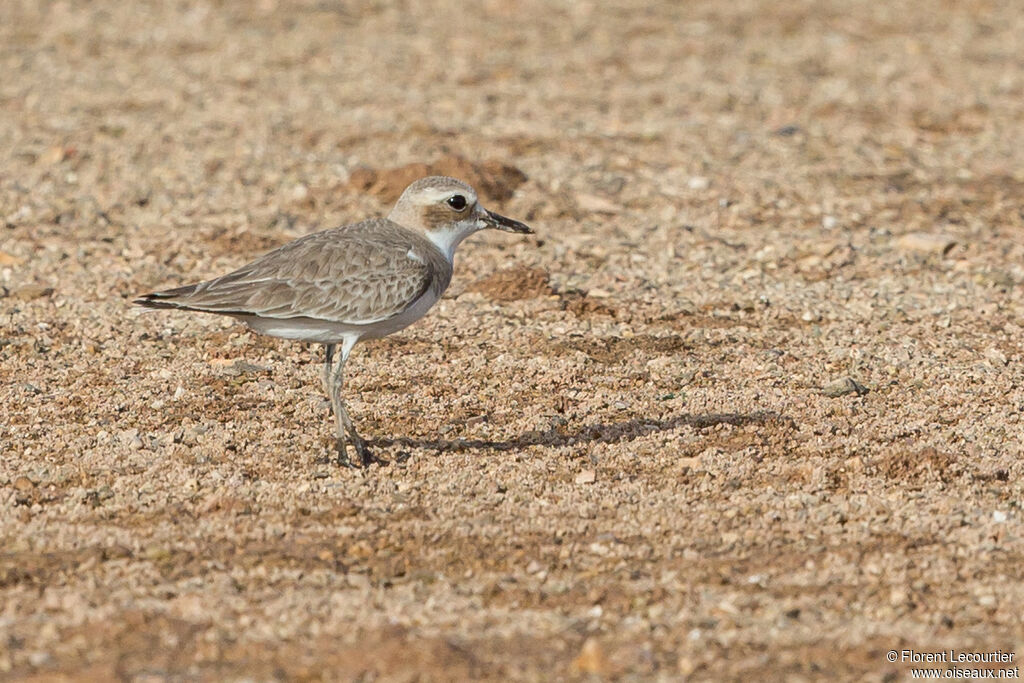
(329, 332)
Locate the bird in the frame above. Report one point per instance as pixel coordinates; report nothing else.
(356, 282)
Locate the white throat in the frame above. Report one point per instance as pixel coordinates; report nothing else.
(448, 238)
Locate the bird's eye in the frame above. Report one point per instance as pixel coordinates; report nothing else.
(457, 202)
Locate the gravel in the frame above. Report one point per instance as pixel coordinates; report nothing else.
(610, 452)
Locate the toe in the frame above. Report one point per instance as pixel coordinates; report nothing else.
(342, 459)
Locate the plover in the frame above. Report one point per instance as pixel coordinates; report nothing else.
(360, 281)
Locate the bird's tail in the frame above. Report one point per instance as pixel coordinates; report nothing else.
(166, 298)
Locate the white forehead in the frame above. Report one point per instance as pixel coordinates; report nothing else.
(433, 195)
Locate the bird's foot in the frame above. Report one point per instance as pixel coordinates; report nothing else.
(342, 459)
(364, 458)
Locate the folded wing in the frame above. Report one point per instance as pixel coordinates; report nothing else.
(359, 274)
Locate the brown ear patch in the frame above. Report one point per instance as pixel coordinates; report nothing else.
(434, 215)
(495, 181)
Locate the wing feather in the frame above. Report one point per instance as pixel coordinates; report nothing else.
(358, 274)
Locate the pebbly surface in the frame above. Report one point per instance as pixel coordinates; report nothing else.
(748, 404)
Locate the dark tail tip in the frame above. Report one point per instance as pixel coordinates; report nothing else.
(165, 298)
(152, 301)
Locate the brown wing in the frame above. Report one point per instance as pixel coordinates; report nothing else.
(358, 274)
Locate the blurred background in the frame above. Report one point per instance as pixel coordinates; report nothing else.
(232, 116)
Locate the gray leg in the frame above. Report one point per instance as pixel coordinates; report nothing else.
(328, 374)
(346, 431)
(328, 359)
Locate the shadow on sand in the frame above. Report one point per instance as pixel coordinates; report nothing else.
(566, 435)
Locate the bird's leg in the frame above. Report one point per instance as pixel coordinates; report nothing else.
(343, 421)
(330, 369)
(328, 358)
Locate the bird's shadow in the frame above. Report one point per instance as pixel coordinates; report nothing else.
(567, 435)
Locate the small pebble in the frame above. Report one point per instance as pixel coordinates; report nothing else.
(236, 368)
(586, 477)
(30, 292)
(9, 259)
(591, 659)
(39, 658)
(594, 204)
(930, 243)
(692, 462)
(996, 357)
(844, 386)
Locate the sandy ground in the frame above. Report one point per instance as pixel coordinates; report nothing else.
(748, 406)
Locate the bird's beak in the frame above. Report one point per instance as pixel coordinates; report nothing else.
(499, 222)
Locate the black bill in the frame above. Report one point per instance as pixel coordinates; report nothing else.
(507, 224)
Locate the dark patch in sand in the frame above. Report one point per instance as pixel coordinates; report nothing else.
(513, 284)
(582, 306)
(493, 180)
(616, 349)
(928, 463)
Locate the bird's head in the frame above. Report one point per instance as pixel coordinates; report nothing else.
(447, 211)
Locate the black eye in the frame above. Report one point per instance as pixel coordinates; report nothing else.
(457, 202)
